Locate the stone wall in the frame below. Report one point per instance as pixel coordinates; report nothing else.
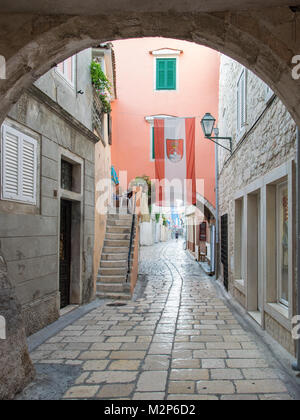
(16, 369)
(79, 105)
(269, 141)
(29, 234)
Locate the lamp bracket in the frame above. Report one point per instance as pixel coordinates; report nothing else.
(213, 139)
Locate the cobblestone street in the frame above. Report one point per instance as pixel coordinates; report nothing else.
(177, 340)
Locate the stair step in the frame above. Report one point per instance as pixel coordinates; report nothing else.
(111, 279)
(114, 257)
(119, 216)
(114, 296)
(117, 236)
(110, 287)
(119, 229)
(115, 249)
(116, 271)
(119, 264)
(116, 243)
(120, 223)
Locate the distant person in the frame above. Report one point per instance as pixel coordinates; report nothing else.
(176, 236)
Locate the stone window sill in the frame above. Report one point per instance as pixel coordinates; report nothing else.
(279, 313)
(240, 285)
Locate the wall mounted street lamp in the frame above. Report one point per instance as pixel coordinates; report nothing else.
(208, 124)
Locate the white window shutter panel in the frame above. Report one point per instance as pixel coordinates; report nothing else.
(239, 106)
(244, 102)
(28, 173)
(11, 155)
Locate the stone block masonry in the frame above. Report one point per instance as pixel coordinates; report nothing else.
(267, 142)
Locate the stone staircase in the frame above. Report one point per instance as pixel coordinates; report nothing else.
(111, 280)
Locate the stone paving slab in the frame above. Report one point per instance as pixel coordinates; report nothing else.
(178, 341)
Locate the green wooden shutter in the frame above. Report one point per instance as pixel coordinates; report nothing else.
(166, 74)
(160, 74)
(171, 74)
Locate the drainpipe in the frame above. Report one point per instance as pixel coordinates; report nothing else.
(216, 132)
(296, 365)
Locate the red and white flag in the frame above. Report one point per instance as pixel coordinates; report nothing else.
(174, 145)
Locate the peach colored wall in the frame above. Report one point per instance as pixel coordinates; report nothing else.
(197, 94)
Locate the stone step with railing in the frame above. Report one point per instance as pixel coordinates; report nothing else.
(113, 271)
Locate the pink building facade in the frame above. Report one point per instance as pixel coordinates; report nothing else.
(162, 77)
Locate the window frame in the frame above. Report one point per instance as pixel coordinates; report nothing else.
(63, 75)
(280, 300)
(166, 59)
(19, 198)
(166, 53)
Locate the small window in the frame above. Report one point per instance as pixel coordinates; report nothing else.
(166, 74)
(242, 101)
(66, 175)
(66, 69)
(202, 232)
(19, 166)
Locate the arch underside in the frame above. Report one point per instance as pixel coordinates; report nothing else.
(263, 40)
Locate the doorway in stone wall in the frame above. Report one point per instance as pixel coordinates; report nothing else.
(65, 252)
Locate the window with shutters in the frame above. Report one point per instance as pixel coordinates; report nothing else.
(166, 74)
(67, 70)
(242, 101)
(18, 166)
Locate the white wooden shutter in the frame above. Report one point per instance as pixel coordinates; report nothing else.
(242, 101)
(239, 106)
(19, 166)
(10, 163)
(28, 174)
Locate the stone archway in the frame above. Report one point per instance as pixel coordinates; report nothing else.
(264, 40)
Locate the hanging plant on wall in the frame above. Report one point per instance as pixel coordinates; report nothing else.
(102, 85)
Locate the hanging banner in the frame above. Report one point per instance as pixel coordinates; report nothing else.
(174, 143)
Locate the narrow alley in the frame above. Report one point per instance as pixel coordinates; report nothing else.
(176, 340)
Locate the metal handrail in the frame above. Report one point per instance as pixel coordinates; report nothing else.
(131, 237)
